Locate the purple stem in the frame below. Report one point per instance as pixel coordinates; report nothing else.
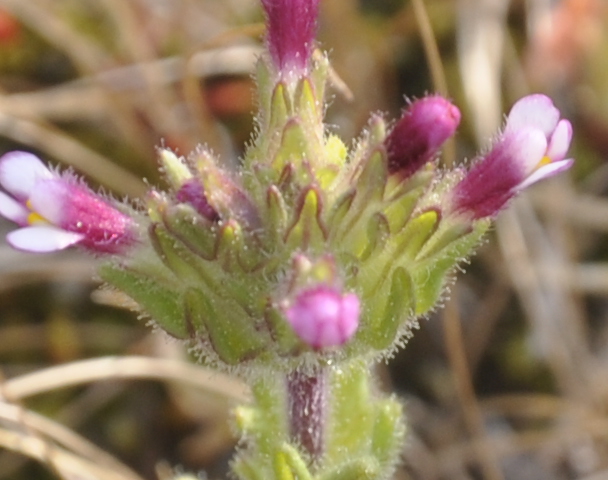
(307, 398)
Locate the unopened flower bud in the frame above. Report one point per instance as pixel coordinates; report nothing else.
(418, 135)
(323, 316)
(193, 193)
(291, 31)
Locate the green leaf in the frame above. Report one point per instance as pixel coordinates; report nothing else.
(162, 303)
(276, 220)
(293, 147)
(282, 334)
(194, 231)
(357, 468)
(318, 75)
(310, 109)
(349, 428)
(448, 234)
(248, 469)
(307, 230)
(399, 209)
(378, 232)
(410, 240)
(387, 314)
(388, 433)
(229, 329)
(430, 276)
(295, 462)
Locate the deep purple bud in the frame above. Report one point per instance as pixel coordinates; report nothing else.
(418, 135)
(193, 193)
(533, 146)
(324, 317)
(290, 33)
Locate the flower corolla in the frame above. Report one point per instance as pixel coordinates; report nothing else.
(57, 210)
(532, 147)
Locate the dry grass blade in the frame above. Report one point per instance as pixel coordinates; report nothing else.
(86, 99)
(40, 16)
(114, 368)
(65, 463)
(430, 47)
(545, 298)
(433, 57)
(49, 434)
(62, 146)
(579, 209)
(20, 272)
(480, 36)
(87, 57)
(466, 393)
(129, 29)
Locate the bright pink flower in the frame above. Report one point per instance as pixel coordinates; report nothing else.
(291, 31)
(423, 128)
(57, 211)
(324, 317)
(533, 146)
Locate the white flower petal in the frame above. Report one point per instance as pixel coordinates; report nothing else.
(546, 171)
(49, 199)
(13, 210)
(42, 239)
(560, 141)
(20, 171)
(527, 147)
(535, 111)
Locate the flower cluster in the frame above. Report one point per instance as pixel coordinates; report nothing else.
(382, 219)
(307, 260)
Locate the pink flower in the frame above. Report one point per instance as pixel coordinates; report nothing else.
(291, 31)
(57, 211)
(324, 317)
(533, 146)
(418, 135)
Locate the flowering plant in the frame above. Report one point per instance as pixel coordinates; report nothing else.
(307, 263)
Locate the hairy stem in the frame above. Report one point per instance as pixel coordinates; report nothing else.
(306, 392)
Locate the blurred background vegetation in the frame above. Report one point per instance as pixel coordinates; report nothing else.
(509, 381)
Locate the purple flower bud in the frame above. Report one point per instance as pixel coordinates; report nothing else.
(291, 31)
(533, 146)
(57, 211)
(324, 317)
(193, 193)
(418, 135)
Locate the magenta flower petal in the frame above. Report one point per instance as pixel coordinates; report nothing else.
(323, 317)
(75, 208)
(13, 210)
(42, 239)
(291, 31)
(20, 172)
